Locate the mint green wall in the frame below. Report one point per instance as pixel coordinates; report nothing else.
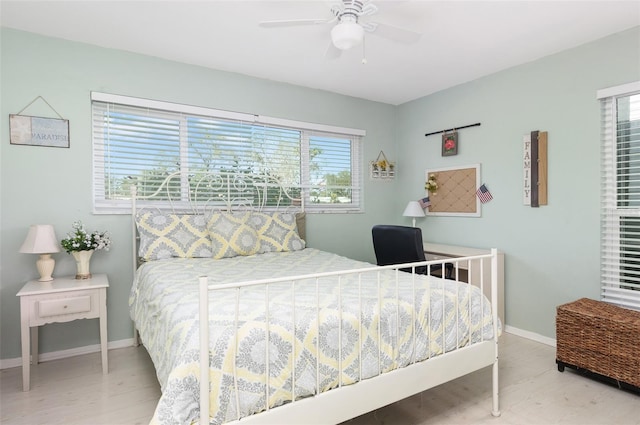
(53, 185)
(552, 252)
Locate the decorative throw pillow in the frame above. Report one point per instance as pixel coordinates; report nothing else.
(231, 235)
(172, 235)
(277, 232)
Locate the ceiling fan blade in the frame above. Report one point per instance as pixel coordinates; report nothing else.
(332, 52)
(392, 33)
(295, 22)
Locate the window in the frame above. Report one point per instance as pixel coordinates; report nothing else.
(620, 217)
(140, 141)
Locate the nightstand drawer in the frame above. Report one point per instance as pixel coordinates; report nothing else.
(47, 308)
(63, 306)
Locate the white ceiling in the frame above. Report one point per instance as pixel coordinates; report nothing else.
(461, 40)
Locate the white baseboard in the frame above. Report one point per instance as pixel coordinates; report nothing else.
(530, 335)
(55, 355)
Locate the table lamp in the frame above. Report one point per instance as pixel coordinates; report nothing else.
(413, 210)
(41, 239)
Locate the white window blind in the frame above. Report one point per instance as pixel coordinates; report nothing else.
(139, 141)
(620, 216)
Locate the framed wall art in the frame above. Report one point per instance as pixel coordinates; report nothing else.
(450, 144)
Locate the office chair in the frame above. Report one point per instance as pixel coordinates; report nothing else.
(402, 244)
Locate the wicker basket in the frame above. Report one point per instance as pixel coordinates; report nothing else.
(600, 338)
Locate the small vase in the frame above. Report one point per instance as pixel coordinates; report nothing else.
(83, 261)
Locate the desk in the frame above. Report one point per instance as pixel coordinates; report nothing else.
(470, 271)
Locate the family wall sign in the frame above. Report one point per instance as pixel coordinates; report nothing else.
(534, 167)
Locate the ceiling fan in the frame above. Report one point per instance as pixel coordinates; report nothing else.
(349, 29)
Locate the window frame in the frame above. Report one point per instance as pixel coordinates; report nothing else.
(614, 266)
(102, 205)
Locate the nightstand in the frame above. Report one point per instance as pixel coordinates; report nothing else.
(61, 300)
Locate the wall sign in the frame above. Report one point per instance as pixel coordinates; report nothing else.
(381, 168)
(38, 131)
(534, 169)
(526, 170)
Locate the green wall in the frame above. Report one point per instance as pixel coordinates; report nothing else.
(552, 253)
(53, 185)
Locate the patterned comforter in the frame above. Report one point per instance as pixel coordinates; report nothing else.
(376, 337)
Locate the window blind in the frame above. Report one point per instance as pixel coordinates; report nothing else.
(139, 141)
(620, 196)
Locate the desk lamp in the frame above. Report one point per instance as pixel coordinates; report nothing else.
(413, 210)
(41, 239)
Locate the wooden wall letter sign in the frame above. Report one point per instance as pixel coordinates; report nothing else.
(534, 169)
(526, 169)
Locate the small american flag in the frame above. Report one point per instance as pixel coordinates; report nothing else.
(424, 202)
(483, 194)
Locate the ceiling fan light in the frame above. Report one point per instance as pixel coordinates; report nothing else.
(346, 35)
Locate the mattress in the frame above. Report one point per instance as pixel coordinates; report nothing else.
(383, 324)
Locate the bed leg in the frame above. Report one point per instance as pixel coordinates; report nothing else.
(136, 336)
(495, 411)
(496, 400)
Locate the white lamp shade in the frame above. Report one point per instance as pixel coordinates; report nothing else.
(346, 35)
(413, 209)
(41, 239)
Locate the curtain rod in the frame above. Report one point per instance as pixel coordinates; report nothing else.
(453, 129)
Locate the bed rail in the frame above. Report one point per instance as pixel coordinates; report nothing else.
(416, 377)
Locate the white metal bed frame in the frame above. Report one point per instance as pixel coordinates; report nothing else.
(366, 394)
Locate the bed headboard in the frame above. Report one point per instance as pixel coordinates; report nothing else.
(210, 192)
(199, 193)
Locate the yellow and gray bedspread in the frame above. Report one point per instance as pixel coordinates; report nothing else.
(373, 332)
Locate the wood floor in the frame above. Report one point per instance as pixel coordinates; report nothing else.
(74, 391)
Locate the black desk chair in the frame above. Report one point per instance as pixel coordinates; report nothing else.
(402, 244)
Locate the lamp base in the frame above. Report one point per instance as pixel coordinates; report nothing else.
(45, 267)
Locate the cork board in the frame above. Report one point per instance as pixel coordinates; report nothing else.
(456, 194)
